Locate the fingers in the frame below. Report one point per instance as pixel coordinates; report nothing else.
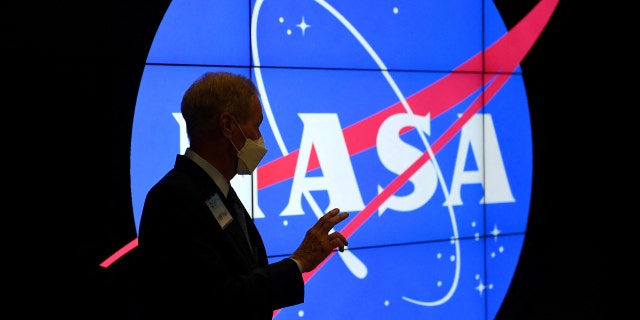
(337, 240)
(333, 212)
(330, 219)
(327, 222)
(318, 243)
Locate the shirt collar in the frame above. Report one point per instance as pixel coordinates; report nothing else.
(217, 177)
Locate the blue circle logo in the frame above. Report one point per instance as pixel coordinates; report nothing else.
(410, 115)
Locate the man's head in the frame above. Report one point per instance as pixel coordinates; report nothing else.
(222, 111)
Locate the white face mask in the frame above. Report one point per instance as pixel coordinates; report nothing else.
(250, 155)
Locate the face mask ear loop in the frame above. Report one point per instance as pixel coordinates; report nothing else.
(237, 124)
(241, 131)
(234, 145)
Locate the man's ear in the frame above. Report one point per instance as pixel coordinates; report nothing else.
(225, 123)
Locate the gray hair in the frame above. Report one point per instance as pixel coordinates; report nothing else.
(211, 95)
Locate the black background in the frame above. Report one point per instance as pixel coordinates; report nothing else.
(71, 79)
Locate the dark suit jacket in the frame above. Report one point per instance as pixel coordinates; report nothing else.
(191, 268)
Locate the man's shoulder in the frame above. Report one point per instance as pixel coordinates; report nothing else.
(188, 180)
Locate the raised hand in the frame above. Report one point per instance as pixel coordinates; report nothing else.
(318, 243)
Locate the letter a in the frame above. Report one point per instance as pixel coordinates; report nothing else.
(479, 135)
(322, 133)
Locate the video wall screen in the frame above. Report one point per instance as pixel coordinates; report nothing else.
(410, 115)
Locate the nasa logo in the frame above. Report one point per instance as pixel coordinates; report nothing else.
(394, 113)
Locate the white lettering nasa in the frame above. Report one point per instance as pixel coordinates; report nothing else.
(323, 132)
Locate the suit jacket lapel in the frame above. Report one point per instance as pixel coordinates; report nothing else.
(208, 187)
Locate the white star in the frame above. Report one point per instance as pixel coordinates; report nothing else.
(303, 26)
(495, 232)
(480, 287)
